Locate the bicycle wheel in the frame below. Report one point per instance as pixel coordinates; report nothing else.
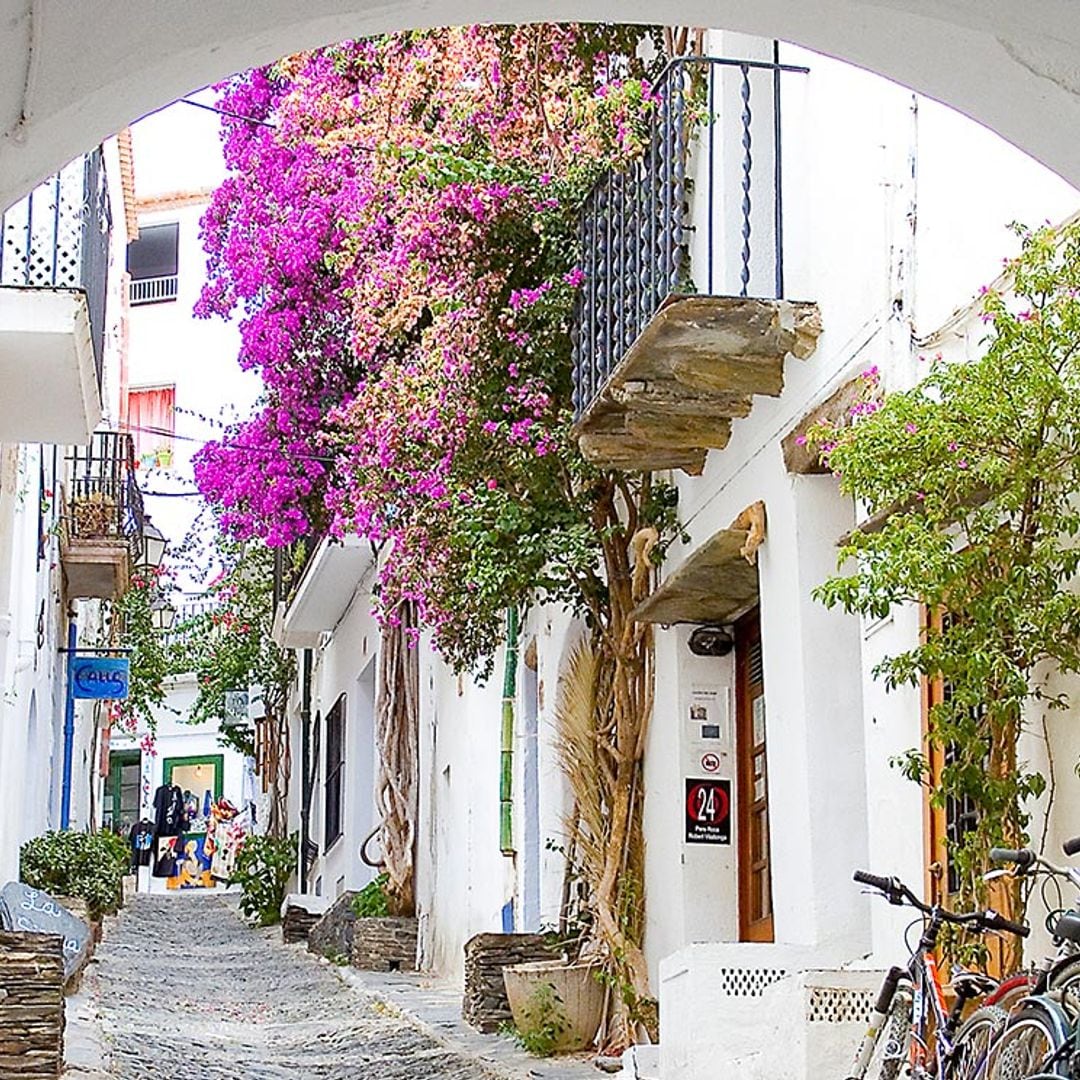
(891, 1049)
(1028, 1045)
(971, 1048)
(1064, 984)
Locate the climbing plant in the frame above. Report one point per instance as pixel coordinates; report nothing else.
(229, 647)
(398, 235)
(130, 625)
(972, 476)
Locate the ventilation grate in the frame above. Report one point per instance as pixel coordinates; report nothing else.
(833, 1005)
(748, 982)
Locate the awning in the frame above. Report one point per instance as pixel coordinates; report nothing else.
(716, 584)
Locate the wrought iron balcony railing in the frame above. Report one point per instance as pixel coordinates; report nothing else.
(58, 238)
(104, 500)
(639, 226)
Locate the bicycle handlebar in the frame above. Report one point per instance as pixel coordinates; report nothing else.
(1071, 847)
(885, 884)
(993, 921)
(1023, 857)
(896, 892)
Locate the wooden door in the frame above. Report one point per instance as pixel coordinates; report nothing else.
(755, 871)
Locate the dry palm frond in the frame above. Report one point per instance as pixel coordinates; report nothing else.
(579, 754)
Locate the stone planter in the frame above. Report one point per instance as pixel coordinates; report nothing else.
(384, 944)
(484, 1005)
(552, 993)
(31, 1005)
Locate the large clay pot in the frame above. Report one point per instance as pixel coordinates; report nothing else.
(572, 992)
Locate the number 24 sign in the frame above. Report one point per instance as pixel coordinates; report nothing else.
(708, 811)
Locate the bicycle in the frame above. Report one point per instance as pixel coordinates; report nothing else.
(911, 1022)
(1060, 971)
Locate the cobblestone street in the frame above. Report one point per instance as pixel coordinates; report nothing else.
(185, 990)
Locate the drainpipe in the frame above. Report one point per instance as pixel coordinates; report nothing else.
(69, 725)
(506, 755)
(305, 754)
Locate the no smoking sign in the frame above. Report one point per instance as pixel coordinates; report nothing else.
(708, 811)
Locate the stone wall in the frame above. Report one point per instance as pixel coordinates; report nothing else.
(31, 1006)
(296, 923)
(484, 1005)
(384, 944)
(332, 935)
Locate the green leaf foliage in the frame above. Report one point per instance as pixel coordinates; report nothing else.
(974, 474)
(263, 869)
(90, 866)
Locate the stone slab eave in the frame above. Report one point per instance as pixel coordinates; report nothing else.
(696, 366)
(716, 584)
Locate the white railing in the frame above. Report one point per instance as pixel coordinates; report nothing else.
(153, 290)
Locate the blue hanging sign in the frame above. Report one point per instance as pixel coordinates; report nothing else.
(100, 677)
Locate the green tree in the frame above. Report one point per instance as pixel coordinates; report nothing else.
(972, 478)
(229, 647)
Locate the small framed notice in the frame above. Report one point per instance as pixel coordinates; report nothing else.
(708, 811)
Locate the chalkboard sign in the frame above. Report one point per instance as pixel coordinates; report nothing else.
(35, 912)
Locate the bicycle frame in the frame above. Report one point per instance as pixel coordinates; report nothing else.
(929, 1011)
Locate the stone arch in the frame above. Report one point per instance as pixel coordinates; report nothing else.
(71, 76)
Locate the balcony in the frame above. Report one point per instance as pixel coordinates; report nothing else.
(153, 290)
(314, 592)
(101, 536)
(661, 367)
(54, 254)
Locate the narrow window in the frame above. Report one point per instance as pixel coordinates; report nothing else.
(335, 769)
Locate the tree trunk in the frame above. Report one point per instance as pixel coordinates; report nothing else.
(397, 712)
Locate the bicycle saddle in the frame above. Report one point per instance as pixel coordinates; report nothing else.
(1068, 927)
(974, 983)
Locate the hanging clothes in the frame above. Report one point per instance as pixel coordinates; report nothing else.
(168, 847)
(169, 815)
(141, 839)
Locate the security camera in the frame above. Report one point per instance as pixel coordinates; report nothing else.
(711, 641)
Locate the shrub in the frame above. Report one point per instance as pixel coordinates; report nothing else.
(90, 866)
(263, 869)
(371, 901)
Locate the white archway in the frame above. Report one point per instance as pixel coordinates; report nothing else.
(71, 74)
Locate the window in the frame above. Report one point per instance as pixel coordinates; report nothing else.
(152, 264)
(151, 419)
(335, 769)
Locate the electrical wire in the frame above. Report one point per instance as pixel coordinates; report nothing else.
(227, 443)
(226, 112)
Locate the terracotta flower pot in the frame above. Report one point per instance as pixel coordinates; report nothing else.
(566, 1000)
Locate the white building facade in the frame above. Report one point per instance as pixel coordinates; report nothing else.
(887, 211)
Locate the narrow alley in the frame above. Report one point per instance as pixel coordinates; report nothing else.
(185, 988)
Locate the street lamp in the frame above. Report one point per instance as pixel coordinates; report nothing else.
(154, 545)
(163, 614)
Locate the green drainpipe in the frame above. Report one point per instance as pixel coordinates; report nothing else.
(506, 754)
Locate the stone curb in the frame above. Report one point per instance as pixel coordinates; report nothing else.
(497, 1057)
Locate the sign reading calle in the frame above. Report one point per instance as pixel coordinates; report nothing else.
(708, 811)
(100, 677)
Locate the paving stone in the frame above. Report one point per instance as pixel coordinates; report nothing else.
(184, 988)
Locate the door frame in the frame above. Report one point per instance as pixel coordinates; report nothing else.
(748, 631)
(117, 759)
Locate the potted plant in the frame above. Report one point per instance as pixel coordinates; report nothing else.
(557, 1005)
